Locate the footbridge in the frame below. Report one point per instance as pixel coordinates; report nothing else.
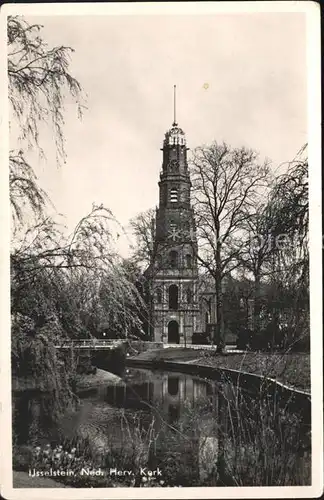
(110, 344)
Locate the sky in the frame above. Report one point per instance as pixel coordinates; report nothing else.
(241, 78)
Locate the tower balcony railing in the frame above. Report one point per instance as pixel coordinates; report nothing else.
(182, 173)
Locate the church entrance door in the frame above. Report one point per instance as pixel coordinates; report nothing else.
(173, 333)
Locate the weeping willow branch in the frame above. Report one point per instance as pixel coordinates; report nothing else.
(39, 81)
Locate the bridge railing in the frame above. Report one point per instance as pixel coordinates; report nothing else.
(88, 343)
(109, 343)
(192, 346)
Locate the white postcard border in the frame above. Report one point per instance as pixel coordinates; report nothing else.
(312, 11)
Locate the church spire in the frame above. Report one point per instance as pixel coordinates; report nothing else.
(174, 124)
(175, 135)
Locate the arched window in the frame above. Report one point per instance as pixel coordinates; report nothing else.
(159, 296)
(188, 260)
(173, 297)
(173, 195)
(173, 259)
(189, 296)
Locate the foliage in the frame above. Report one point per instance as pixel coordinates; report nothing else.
(276, 253)
(35, 357)
(61, 457)
(264, 443)
(39, 84)
(240, 447)
(39, 80)
(62, 285)
(77, 281)
(25, 194)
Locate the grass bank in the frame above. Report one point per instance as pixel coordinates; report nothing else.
(82, 381)
(292, 369)
(93, 380)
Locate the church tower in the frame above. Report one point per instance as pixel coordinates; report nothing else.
(173, 270)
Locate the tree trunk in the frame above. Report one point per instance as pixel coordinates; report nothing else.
(256, 313)
(220, 327)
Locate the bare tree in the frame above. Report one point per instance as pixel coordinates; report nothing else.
(145, 254)
(255, 252)
(143, 228)
(226, 184)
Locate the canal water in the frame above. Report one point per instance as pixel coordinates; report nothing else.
(198, 431)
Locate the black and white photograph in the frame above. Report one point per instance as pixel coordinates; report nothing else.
(161, 213)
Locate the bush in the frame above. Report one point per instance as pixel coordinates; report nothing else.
(244, 339)
(200, 338)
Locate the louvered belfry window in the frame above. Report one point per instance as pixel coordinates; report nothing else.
(174, 195)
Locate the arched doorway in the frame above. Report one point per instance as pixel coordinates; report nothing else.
(173, 333)
(173, 297)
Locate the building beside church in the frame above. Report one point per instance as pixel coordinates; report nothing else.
(173, 271)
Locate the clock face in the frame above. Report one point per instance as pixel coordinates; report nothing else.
(176, 233)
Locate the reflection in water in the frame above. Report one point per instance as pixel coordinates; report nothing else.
(203, 410)
(31, 416)
(173, 385)
(173, 413)
(164, 395)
